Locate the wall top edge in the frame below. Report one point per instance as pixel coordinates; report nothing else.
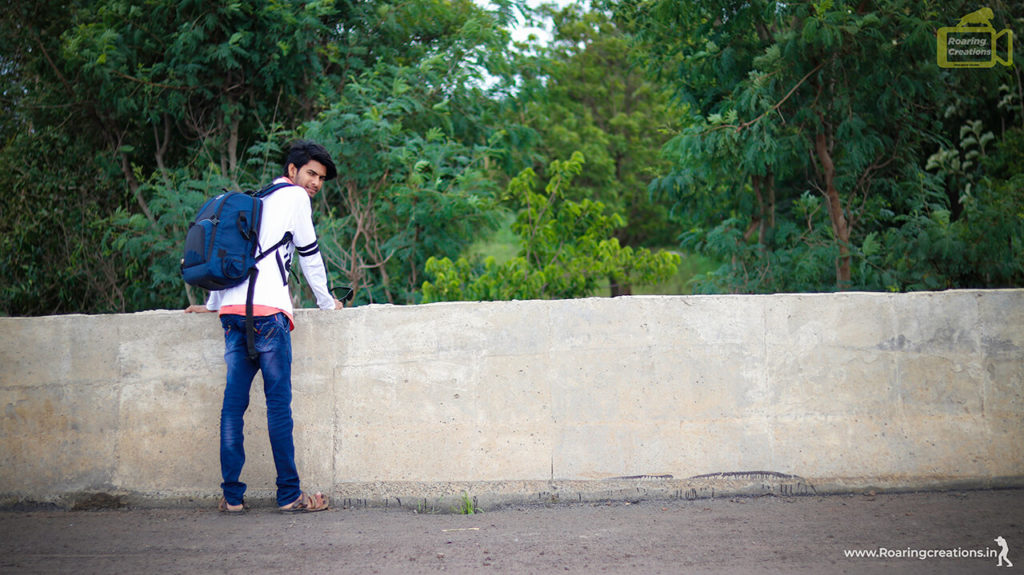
(1019, 292)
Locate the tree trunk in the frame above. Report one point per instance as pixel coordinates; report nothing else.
(233, 147)
(763, 218)
(133, 185)
(618, 289)
(757, 218)
(835, 211)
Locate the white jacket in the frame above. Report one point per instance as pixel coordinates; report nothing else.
(286, 210)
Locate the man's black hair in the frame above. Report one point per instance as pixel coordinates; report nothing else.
(305, 150)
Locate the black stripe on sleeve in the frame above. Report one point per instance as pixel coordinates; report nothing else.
(306, 251)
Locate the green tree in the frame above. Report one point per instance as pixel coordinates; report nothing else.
(155, 105)
(805, 168)
(46, 264)
(119, 103)
(596, 101)
(406, 191)
(413, 137)
(566, 248)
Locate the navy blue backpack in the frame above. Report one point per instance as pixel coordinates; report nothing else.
(222, 246)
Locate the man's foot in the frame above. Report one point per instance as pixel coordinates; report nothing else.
(306, 504)
(225, 507)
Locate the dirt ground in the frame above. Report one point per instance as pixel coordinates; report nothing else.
(809, 534)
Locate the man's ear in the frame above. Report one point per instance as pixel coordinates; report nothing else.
(293, 171)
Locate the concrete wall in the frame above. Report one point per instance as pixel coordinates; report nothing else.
(535, 400)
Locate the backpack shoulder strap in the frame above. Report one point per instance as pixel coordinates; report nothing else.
(264, 253)
(270, 189)
(288, 235)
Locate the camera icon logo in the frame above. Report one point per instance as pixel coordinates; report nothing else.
(974, 43)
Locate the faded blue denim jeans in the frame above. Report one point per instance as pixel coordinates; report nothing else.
(274, 344)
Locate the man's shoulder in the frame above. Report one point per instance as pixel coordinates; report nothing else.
(287, 187)
(289, 193)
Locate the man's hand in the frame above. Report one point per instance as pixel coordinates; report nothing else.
(338, 304)
(197, 309)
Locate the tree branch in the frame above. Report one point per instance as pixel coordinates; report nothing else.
(744, 125)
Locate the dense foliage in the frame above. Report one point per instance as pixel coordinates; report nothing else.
(806, 145)
(828, 150)
(596, 102)
(566, 249)
(128, 114)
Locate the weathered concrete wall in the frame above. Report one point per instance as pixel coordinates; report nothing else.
(536, 400)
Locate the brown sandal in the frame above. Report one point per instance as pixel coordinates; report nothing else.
(306, 504)
(225, 507)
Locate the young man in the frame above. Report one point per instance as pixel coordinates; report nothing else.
(288, 209)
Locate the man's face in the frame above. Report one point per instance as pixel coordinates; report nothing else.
(309, 177)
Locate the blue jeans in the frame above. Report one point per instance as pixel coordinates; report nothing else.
(274, 344)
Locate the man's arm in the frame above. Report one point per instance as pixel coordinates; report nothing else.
(212, 304)
(310, 259)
